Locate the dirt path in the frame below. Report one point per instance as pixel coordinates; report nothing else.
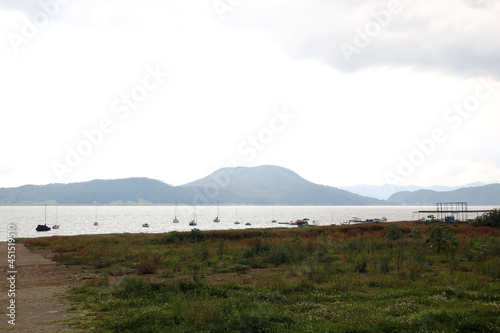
(39, 283)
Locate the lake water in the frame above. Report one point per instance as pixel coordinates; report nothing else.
(78, 220)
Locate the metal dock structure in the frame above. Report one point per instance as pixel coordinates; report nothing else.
(457, 211)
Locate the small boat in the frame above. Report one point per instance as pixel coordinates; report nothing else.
(96, 223)
(43, 227)
(145, 225)
(56, 226)
(274, 221)
(236, 222)
(193, 221)
(216, 219)
(175, 215)
(248, 223)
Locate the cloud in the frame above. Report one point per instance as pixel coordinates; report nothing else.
(457, 37)
(26, 6)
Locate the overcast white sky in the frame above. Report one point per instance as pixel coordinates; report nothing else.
(341, 92)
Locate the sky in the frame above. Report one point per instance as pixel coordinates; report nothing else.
(342, 92)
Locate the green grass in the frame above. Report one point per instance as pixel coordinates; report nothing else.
(323, 279)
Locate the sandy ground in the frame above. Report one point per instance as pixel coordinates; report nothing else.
(39, 285)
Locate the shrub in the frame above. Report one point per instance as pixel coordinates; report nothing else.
(415, 234)
(393, 232)
(147, 267)
(196, 235)
(491, 219)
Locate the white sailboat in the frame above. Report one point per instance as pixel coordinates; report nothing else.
(175, 214)
(236, 222)
(56, 226)
(96, 223)
(193, 221)
(218, 213)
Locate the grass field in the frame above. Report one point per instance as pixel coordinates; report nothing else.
(401, 277)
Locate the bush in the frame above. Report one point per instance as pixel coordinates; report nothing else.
(147, 267)
(196, 235)
(393, 232)
(491, 219)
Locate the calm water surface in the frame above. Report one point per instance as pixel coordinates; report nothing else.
(78, 220)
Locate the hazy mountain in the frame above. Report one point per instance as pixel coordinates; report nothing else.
(96, 191)
(383, 192)
(263, 185)
(268, 184)
(481, 195)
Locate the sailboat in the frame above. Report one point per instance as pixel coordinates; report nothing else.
(56, 226)
(43, 227)
(175, 215)
(193, 221)
(274, 220)
(218, 213)
(96, 223)
(236, 222)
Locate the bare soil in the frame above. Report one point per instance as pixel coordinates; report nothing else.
(39, 287)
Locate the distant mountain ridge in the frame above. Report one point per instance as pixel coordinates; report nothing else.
(487, 195)
(383, 192)
(264, 185)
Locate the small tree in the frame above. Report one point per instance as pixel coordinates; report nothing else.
(440, 236)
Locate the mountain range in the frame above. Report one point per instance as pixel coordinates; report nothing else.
(487, 195)
(383, 192)
(262, 185)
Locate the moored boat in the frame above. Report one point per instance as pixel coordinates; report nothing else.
(43, 227)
